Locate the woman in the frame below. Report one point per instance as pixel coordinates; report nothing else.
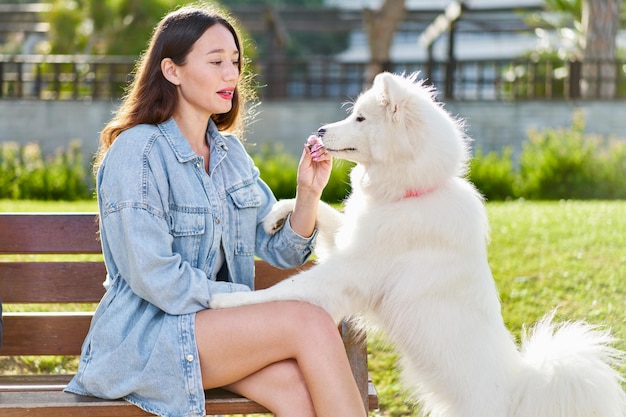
(181, 205)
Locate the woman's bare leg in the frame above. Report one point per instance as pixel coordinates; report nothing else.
(282, 387)
(254, 350)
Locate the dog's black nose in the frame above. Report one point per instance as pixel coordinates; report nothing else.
(320, 132)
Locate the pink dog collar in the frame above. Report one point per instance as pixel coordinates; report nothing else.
(418, 192)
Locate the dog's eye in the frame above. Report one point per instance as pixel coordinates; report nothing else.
(360, 118)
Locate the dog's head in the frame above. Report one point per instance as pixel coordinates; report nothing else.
(399, 135)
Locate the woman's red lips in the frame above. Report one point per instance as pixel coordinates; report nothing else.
(227, 94)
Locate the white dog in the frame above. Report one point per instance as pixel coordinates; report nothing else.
(409, 254)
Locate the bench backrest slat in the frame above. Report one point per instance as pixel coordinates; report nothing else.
(48, 233)
(41, 282)
(44, 334)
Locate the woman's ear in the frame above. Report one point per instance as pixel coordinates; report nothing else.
(170, 71)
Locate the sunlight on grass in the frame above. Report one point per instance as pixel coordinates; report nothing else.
(48, 206)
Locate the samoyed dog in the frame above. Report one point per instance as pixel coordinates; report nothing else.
(408, 254)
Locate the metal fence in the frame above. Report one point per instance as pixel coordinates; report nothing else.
(86, 77)
(64, 77)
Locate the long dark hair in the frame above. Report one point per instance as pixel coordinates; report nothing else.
(151, 98)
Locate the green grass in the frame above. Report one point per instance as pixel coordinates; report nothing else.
(48, 206)
(568, 255)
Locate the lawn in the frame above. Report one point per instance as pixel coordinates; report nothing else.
(568, 255)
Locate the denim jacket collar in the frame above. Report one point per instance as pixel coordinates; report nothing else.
(181, 146)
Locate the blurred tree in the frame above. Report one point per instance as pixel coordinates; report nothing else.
(299, 44)
(113, 27)
(123, 27)
(592, 27)
(600, 23)
(380, 26)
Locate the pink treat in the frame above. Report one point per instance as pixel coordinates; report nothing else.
(314, 143)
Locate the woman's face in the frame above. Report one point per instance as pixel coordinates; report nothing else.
(210, 74)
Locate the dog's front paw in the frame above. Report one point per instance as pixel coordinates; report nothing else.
(226, 300)
(277, 217)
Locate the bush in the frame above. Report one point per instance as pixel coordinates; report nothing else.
(278, 169)
(558, 164)
(554, 164)
(25, 173)
(493, 174)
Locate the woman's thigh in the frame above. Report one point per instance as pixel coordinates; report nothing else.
(235, 343)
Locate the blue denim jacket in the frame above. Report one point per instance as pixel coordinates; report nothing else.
(162, 220)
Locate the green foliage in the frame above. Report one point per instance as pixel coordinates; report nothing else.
(25, 173)
(123, 27)
(279, 170)
(555, 164)
(493, 173)
(101, 27)
(567, 164)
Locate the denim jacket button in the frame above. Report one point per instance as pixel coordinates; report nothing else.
(190, 358)
(218, 220)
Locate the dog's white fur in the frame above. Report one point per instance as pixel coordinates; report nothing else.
(416, 266)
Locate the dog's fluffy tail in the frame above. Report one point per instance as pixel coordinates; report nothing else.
(569, 371)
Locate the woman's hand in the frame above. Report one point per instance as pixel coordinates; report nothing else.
(314, 167)
(313, 174)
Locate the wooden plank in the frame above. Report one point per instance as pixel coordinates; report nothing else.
(267, 275)
(372, 396)
(356, 349)
(61, 404)
(81, 282)
(35, 382)
(44, 333)
(59, 282)
(15, 397)
(49, 233)
(41, 388)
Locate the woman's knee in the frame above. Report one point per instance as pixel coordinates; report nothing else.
(314, 329)
(314, 323)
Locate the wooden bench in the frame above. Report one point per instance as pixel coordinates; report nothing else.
(31, 279)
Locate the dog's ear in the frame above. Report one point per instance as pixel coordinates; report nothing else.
(390, 93)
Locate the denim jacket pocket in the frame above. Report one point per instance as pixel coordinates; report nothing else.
(247, 201)
(187, 228)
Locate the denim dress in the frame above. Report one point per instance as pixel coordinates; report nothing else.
(163, 224)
